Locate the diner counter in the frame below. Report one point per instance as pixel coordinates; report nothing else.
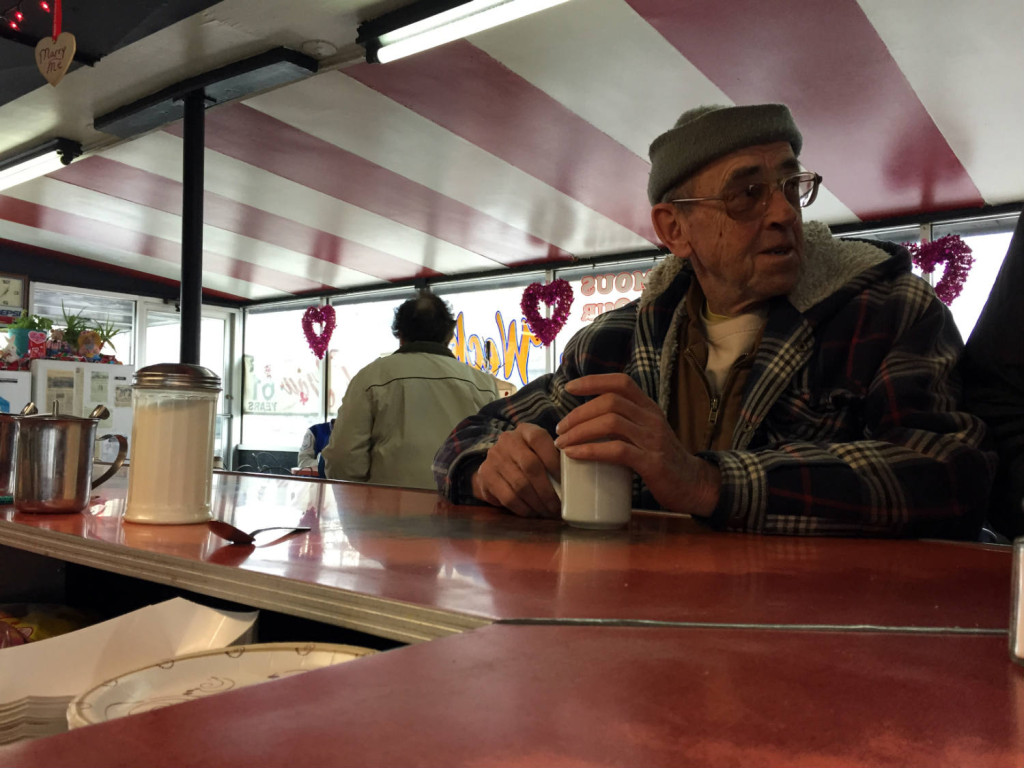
(658, 644)
(569, 695)
(407, 565)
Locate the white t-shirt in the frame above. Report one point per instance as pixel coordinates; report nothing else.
(728, 338)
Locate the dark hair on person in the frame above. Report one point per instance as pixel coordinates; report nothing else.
(425, 318)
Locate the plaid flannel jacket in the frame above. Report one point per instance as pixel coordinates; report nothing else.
(849, 423)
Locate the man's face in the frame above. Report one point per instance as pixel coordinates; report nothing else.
(740, 264)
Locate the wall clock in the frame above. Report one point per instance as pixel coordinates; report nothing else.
(13, 291)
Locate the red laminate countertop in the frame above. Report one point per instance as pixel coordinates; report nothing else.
(559, 695)
(415, 549)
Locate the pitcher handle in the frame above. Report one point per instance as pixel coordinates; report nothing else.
(122, 451)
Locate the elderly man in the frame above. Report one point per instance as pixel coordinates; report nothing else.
(399, 408)
(770, 379)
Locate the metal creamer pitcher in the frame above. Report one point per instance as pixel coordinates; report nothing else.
(54, 461)
(9, 447)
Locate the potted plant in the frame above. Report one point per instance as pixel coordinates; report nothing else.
(106, 332)
(74, 324)
(19, 330)
(84, 337)
(79, 338)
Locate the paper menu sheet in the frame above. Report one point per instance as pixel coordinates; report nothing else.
(64, 387)
(70, 664)
(99, 392)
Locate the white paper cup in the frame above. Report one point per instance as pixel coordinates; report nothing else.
(595, 494)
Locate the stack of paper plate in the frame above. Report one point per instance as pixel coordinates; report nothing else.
(199, 675)
(32, 717)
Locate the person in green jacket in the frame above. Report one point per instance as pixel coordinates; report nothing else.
(398, 410)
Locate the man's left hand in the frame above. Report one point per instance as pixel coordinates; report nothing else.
(622, 425)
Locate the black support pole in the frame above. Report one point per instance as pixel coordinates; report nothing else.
(192, 227)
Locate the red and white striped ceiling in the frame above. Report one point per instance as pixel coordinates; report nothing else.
(523, 144)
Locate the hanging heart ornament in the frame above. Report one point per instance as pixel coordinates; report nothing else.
(323, 316)
(950, 250)
(54, 56)
(557, 295)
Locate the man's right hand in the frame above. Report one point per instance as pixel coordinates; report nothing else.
(515, 473)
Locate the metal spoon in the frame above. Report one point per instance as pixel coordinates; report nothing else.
(238, 536)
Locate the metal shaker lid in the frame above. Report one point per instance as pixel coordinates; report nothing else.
(177, 376)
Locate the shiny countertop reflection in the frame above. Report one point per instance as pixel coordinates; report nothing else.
(410, 548)
(597, 696)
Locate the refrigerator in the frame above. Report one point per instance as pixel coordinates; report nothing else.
(15, 390)
(78, 388)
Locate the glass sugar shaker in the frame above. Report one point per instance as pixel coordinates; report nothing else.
(170, 474)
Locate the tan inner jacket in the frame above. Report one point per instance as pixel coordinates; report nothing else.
(702, 420)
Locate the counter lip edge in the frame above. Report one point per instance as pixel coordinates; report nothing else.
(381, 616)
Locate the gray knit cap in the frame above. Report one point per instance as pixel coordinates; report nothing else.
(707, 133)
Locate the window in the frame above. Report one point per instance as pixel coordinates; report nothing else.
(97, 308)
(597, 290)
(361, 335)
(989, 239)
(281, 380)
(907, 234)
(490, 333)
(160, 325)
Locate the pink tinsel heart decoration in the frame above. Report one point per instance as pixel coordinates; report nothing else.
(318, 341)
(556, 294)
(950, 250)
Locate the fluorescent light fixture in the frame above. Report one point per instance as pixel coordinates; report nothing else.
(270, 69)
(430, 23)
(38, 161)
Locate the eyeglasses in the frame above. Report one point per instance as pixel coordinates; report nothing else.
(750, 201)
